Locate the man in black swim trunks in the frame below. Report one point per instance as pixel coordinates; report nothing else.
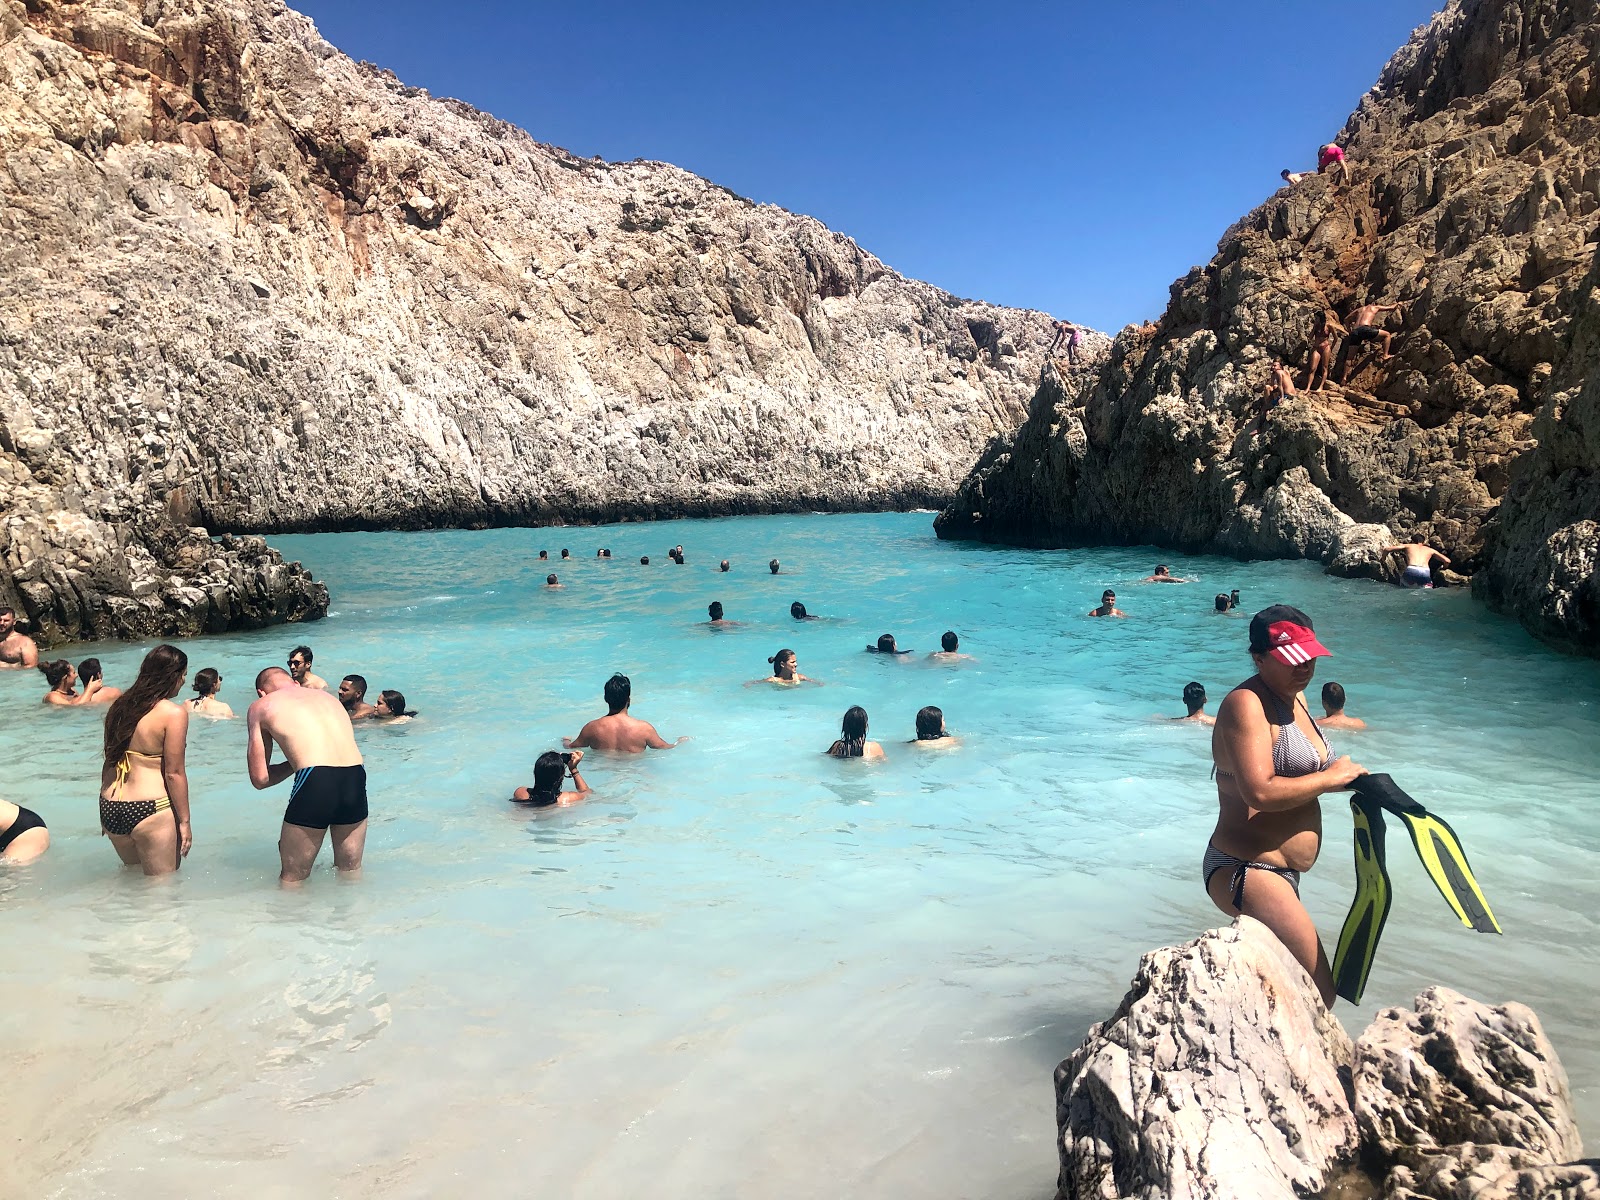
(1366, 326)
(330, 782)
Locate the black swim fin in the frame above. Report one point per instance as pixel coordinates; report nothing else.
(1439, 850)
(1363, 925)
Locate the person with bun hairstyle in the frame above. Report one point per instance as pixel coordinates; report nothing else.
(785, 669)
(1272, 767)
(61, 678)
(144, 783)
(205, 702)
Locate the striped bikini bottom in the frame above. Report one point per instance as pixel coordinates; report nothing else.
(1215, 860)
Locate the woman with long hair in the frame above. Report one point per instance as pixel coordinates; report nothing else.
(852, 741)
(1272, 765)
(206, 685)
(549, 770)
(61, 677)
(391, 704)
(144, 789)
(931, 730)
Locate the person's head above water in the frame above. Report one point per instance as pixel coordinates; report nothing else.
(619, 692)
(885, 644)
(549, 769)
(392, 704)
(949, 642)
(1161, 569)
(854, 726)
(723, 565)
(206, 682)
(715, 609)
(783, 664)
(566, 553)
(644, 560)
(1332, 697)
(930, 724)
(1222, 602)
(89, 670)
(797, 611)
(550, 580)
(1194, 697)
(773, 566)
(544, 554)
(1108, 598)
(353, 687)
(56, 671)
(300, 662)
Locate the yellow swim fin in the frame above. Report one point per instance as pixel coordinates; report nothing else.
(1363, 925)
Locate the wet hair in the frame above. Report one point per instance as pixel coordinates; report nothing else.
(395, 702)
(619, 692)
(565, 553)
(930, 724)
(89, 669)
(715, 610)
(159, 676)
(886, 643)
(7, 611)
(1161, 568)
(548, 771)
(1332, 696)
(797, 611)
(723, 565)
(773, 566)
(206, 682)
(852, 741)
(544, 554)
(1222, 602)
(1108, 594)
(266, 673)
(779, 657)
(361, 684)
(1269, 616)
(644, 561)
(304, 652)
(949, 641)
(551, 580)
(54, 672)
(1194, 696)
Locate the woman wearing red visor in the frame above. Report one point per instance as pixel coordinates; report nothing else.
(1272, 765)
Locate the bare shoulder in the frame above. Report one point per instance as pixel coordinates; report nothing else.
(1240, 705)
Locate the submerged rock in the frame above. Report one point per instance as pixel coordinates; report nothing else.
(1471, 206)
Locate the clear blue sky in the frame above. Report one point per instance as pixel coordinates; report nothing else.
(1071, 157)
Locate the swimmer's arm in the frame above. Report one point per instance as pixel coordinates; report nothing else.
(655, 741)
(174, 773)
(1241, 728)
(581, 742)
(29, 660)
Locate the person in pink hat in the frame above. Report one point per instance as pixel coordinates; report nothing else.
(1273, 765)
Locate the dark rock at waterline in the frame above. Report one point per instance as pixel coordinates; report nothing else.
(1472, 205)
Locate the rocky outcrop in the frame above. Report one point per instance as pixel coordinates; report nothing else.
(257, 286)
(1223, 1075)
(1474, 190)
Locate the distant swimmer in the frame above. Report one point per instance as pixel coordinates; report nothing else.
(718, 621)
(544, 555)
(1333, 707)
(90, 674)
(565, 553)
(205, 702)
(723, 565)
(786, 669)
(551, 581)
(1072, 336)
(144, 785)
(949, 648)
(1366, 325)
(1194, 699)
(353, 695)
(1330, 157)
(62, 678)
(1419, 563)
(1108, 606)
(549, 769)
(300, 669)
(1162, 575)
(799, 613)
(1324, 328)
(17, 650)
(886, 646)
(23, 836)
(330, 782)
(618, 730)
(773, 566)
(1222, 602)
(852, 741)
(931, 732)
(644, 560)
(391, 706)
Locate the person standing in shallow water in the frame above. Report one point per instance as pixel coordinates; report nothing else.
(1272, 767)
(619, 730)
(144, 783)
(1194, 699)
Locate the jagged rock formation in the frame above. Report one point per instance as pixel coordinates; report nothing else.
(1472, 204)
(258, 286)
(1222, 1075)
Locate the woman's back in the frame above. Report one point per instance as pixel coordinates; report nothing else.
(138, 774)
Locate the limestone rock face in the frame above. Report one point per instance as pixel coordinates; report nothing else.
(1218, 1076)
(1474, 189)
(253, 285)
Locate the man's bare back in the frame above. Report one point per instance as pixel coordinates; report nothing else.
(1367, 314)
(310, 725)
(619, 732)
(17, 650)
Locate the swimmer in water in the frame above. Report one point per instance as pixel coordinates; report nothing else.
(886, 646)
(931, 733)
(61, 678)
(852, 741)
(723, 566)
(718, 621)
(1162, 575)
(565, 553)
(89, 672)
(17, 650)
(619, 730)
(353, 695)
(549, 769)
(391, 706)
(551, 581)
(644, 561)
(1194, 699)
(773, 566)
(786, 669)
(300, 669)
(1222, 602)
(544, 555)
(205, 702)
(1333, 708)
(1108, 606)
(799, 613)
(949, 649)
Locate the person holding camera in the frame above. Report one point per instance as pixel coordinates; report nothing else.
(548, 771)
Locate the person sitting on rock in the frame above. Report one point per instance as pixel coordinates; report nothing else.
(1419, 562)
(300, 669)
(61, 678)
(1278, 388)
(1331, 158)
(886, 646)
(90, 673)
(1366, 326)
(1324, 326)
(17, 650)
(1108, 606)
(1194, 699)
(205, 702)
(353, 695)
(1333, 707)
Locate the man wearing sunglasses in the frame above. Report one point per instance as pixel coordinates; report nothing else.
(300, 669)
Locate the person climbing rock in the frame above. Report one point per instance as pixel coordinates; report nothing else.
(1292, 177)
(1324, 327)
(1331, 158)
(1366, 325)
(1069, 333)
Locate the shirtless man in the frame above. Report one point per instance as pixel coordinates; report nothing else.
(1333, 707)
(617, 730)
(1280, 384)
(300, 669)
(1163, 575)
(949, 648)
(718, 621)
(1069, 333)
(353, 695)
(89, 671)
(1108, 606)
(1366, 325)
(17, 650)
(1194, 699)
(1419, 559)
(330, 782)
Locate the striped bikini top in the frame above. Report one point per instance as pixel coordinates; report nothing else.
(1293, 753)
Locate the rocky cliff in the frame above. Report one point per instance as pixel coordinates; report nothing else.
(1471, 204)
(249, 284)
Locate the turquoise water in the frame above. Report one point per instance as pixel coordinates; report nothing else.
(741, 968)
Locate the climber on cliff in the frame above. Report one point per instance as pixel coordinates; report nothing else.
(1324, 326)
(17, 650)
(1366, 325)
(1419, 559)
(1067, 332)
(1280, 385)
(1292, 177)
(1331, 158)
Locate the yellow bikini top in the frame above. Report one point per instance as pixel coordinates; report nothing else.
(125, 767)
